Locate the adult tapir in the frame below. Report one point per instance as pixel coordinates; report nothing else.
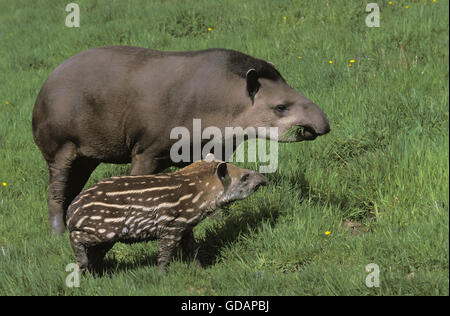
(119, 104)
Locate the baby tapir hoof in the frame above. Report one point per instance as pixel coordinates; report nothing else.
(163, 207)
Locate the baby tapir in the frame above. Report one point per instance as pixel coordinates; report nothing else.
(165, 207)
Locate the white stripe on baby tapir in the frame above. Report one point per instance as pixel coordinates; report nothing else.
(143, 190)
(101, 230)
(106, 181)
(114, 220)
(168, 204)
(164, 217)
(81, 221)
(119, 206)
(195, 199)
(145, 221)
(129, 220)
(95, 218)
(110, 235)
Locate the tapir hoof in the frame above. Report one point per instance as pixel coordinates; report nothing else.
(57, 225)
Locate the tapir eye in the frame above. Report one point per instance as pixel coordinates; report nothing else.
(245, 177)
(281, 108)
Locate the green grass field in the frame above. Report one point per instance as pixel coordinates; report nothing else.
(383, 169)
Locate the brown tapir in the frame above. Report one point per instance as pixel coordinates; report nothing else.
(119, 105)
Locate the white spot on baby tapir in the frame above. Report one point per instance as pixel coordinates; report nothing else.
(191, 184)
(101, 230)
(140, 200)
(110, 235)
(99, 192)
(207, 183)
(126, 184)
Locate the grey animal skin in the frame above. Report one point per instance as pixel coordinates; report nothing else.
(119, 104)
(165, 207)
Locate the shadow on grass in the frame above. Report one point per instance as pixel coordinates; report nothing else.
(228, 231)
(222, 233)
(347, 205)
(111, 266)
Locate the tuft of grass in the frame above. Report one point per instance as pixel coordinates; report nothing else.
(293, 131)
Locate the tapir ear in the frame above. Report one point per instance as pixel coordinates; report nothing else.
(252, 83)
(223, 175)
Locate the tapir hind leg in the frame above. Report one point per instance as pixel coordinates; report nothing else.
(68, 175)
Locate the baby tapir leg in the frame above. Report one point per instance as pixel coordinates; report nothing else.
(190, 246)
(89, 250)
(167, 245)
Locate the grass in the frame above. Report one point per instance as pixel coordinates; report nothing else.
(384, 166)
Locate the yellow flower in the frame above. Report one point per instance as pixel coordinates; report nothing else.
(327, 233)
(330, 61)
(7, 102)
(209, 29)
(4, 184)
(352, 61)
(406, 7)
(390, 2)
(299, 57)
(349, 65)
(284, 18)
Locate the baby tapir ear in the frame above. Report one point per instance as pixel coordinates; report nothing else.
(252, 83)
(224, 176)
(209, 157)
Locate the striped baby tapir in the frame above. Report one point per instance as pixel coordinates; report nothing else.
(164, 207)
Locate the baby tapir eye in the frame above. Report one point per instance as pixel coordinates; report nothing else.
(245, 177)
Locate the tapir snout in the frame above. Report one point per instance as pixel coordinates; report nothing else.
(313, 122)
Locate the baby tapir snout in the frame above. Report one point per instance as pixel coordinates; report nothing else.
(165, 207)
(242, 182)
